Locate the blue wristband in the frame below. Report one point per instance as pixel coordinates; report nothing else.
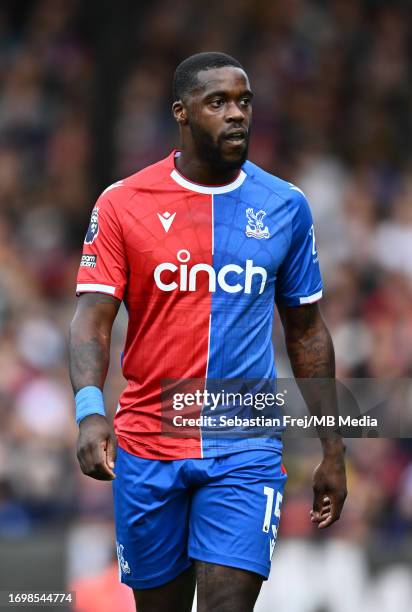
(89, 400)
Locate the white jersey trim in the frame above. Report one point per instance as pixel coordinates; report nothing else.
(116, 184)
(292, 186)
(95, 287)
(311, 298)
(183, 182)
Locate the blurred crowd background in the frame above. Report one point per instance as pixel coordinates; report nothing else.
(85, 100)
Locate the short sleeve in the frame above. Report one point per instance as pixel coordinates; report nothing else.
(103, 266)
(299, 280)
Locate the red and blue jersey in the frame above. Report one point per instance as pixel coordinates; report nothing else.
(199, 269)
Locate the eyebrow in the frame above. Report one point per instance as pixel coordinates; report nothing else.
(221, 92)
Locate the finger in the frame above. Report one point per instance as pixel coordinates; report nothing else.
(317, 506)
(103, 466)
(100, 475)
(324, 505)
(332, 516)
(100, 470)
(85, 458)
(92, 460)
(111, 453)
(317, 500)
(315, 517)
(327, 521)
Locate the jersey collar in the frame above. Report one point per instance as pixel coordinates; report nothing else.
(208, 189)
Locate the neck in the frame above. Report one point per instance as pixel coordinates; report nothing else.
(201, 171)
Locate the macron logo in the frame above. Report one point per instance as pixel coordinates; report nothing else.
(166, 220)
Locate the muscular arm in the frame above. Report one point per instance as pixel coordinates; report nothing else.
(311, 354)
(89, 348)
(89, 343)
(310, 349)
(308, 342)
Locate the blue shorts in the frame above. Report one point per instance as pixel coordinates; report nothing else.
(222, 510)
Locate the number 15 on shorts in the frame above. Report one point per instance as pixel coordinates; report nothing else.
(272, 514)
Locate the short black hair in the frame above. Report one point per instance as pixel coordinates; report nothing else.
(185, 76)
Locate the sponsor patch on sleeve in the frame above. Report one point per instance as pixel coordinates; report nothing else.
(88, 261)
(93, 228)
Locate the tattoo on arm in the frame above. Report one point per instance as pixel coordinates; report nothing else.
(308, 342)
(310, 349)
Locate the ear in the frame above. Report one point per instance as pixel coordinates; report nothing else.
(179, 112)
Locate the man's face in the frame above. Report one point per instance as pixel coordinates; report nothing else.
(219, 114)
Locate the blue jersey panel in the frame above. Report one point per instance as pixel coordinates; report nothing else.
(263, 246)
(263, 249)
(242, 306)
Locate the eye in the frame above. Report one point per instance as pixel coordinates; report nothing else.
(245, 101)
(216, 102)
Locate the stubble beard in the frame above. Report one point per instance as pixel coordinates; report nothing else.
(211, 153)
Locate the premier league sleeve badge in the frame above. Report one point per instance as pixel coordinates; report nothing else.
(93, 228)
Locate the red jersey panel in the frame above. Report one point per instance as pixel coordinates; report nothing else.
(127, 243)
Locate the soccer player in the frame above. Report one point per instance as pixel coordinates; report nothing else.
(200, 247)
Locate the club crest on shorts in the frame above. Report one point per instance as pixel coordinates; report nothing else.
(255, 227)
(93, 228)
(123, 564)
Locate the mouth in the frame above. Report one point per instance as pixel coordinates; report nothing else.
(235, 136)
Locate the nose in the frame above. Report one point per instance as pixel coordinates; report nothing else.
(234, 113)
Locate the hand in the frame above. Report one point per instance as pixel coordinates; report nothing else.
(96, 447)
(329, 488)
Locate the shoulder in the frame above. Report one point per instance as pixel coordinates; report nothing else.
(282, 189)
